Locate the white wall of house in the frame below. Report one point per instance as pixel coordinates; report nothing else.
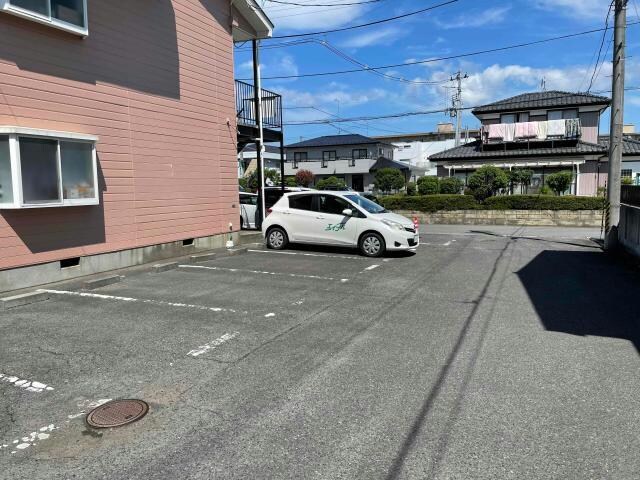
(417, 153)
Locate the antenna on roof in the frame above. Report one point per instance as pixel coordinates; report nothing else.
(543, 84)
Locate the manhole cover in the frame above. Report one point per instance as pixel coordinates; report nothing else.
(117, 413)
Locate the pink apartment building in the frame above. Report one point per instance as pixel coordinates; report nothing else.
(118, 132)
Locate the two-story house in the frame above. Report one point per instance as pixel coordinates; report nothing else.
(352, 158)
(119, 131)
(542, 131)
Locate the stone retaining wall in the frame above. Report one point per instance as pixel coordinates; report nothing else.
(560, 218)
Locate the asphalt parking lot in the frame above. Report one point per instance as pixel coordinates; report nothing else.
(490, 352)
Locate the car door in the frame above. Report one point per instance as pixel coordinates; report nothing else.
(332, 226)
(300, 217)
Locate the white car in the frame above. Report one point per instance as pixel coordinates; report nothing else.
(337, 218)
(248, 210)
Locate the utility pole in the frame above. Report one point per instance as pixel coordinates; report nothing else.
(456, 111)
(257, 100)
(617, 127)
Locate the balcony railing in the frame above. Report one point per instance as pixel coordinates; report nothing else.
(544, 131)
(246, 110)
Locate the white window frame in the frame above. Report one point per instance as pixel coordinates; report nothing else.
(8, 7)
(14, 134)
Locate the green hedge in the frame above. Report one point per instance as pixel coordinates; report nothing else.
(430, 203)
(435, 203)
(543, 202)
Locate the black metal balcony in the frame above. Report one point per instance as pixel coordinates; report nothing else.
(246, 110)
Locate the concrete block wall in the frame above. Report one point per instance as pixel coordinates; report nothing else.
(542, 218)
(629, 230)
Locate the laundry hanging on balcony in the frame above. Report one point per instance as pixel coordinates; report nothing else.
(526, 130)
(573, 128)
(556, 128)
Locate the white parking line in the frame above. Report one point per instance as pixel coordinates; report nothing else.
(372, 267)
(30, 440)
(212, 345)
(129, 299)
(28, 385)
(308, 254)
(259, 272)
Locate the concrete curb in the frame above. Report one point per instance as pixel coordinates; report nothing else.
(205, 257)
(164, 267)
(24, 299)
(232, 252)
(101, 282)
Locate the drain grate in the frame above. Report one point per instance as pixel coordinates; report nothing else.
(117, 413)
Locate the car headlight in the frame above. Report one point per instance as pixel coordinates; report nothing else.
(393, 225)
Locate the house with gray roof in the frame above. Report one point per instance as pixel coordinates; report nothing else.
(351, 158)
(542, 131)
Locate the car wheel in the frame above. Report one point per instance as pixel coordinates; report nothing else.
(372, 245)
(277, 239)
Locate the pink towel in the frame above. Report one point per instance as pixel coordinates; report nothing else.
(521, 130)
(496, 131)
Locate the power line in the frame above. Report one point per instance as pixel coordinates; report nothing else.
(604, 36)
(448, 57)
(323, 4)
(377, 22)
(424, 112)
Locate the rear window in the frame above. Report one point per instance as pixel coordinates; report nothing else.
(301, 202)
(271, 197)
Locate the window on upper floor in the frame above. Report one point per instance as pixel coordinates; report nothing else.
(47, 169)
(626, 173)
(562, 114)
(70, 15)
(514, 117)
(299, 157)
(328, 157)
(359, 153)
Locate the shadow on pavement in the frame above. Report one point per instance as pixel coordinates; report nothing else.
(343, 251)
(584, 293)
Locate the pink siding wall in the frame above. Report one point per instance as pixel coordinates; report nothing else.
(154, 80)
(591, 178)
(590, 126)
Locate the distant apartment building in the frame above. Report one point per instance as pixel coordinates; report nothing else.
(352, 158)
(543, 131)
(118, 131)
(416, 149)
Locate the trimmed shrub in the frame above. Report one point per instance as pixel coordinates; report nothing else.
(451, 186)
(304, 178)
(243, 183)
(331, 183)
(389, 179)
(435, 203)
(290, 182)
(545, 190)
(543, 202)
(487, 181)
(428, 185)
(429, 203)
(411, 188)
(560, 182)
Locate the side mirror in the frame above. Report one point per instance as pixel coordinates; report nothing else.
(347, 212)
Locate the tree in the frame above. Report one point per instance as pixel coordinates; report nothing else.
(520, 176)
(331, 183)
(560, 182)
(428, 186)
(388, 179)
(305, 178)
(451, 186)
(243, 183)
(271, 177)
(411, 188)
(487, 181)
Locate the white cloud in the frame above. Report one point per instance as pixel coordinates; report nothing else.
(490, 16)
(587, 9)
(300, 18)
(332, 95)
(385, 36)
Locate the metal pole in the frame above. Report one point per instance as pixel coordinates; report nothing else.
(257, 100)
(282, 164)
(458, 109)
(616, 129)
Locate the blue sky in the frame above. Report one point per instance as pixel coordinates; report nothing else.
(465, 26)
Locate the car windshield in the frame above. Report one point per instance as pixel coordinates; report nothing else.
(368, 205)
